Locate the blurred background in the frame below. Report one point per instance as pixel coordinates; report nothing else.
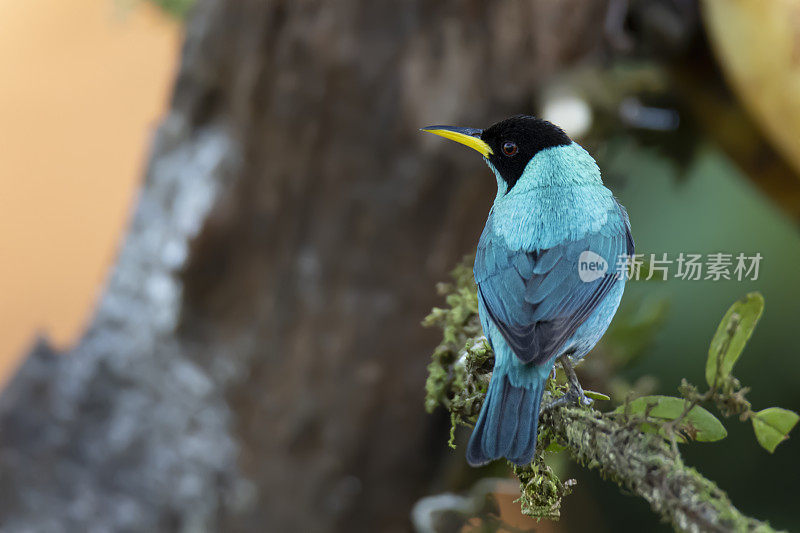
(220, 230)
(83, 87)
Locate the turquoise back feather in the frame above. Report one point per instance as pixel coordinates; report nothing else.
(559, 197)
(532, 303)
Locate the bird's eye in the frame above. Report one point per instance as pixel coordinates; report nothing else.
(509, 148)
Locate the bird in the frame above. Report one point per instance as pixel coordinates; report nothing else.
(549, 270)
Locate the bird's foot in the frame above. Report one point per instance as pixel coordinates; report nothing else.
(561, 401)
(575, 393)
(571, 397)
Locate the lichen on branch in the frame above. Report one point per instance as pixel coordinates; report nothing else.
(634, 446)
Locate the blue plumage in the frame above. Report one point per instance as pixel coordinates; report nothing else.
(546, 270)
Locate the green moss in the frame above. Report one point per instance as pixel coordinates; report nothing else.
(461, 365)
(541, 490)
(458, 378)
(615, 444)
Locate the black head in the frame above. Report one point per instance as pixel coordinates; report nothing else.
(508, 145)
(516, 140)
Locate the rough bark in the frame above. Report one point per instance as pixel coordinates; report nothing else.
(255, 361)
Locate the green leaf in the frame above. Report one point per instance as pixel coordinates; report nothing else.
(732, 334)
(699, 424)
(772, 426)
(596, 395)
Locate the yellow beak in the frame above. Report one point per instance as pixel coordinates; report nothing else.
(467, 136)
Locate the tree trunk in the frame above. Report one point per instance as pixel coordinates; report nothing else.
(256, 361)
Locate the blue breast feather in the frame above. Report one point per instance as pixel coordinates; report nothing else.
(536, 298)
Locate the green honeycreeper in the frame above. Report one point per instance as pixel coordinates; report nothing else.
(546, 270)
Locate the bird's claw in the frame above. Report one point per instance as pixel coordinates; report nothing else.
(561, 401)
(575, 393)
(585, 400)
(569, 398)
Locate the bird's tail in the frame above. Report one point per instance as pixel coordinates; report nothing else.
(507, 424)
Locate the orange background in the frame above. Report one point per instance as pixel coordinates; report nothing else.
(82, 84)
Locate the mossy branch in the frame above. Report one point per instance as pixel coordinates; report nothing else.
(632, 450)
(647, 466)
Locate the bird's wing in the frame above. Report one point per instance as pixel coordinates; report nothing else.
(537, 299)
